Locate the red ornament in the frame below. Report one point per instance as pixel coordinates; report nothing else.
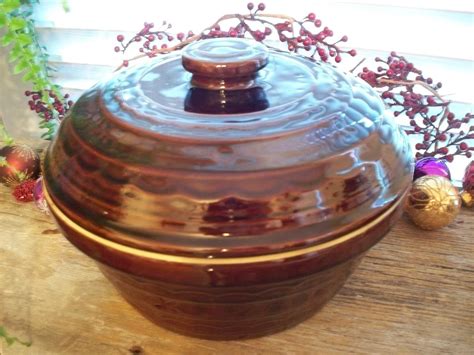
(23, 192)
(18, 163)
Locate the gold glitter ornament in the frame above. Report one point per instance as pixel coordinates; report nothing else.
(467, 199)
(433, 202)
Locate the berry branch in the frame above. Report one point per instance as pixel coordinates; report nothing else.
(296, 35)
(444, 135)
(30, 58)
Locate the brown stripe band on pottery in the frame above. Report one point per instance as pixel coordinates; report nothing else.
(214, 261)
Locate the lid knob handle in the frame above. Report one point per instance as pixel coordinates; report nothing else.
(224, 63)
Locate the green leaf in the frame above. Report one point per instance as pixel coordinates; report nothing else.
(29, 76)
(45, 97)
(41, 84)
(11, 339)
(7, 39)
(24, 39)
(65, 4)
(35, 69)
(3, 20)
(5, 138)
(17, 23)
(15, 53)
(21, 65)
(13, 56)
(10, 5)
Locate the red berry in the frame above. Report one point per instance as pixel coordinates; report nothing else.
(337, 59)
(311, 16)
(468, 154)
(442, 137)
(353, 52)
(170, 38)
(317, 23)
(431, 100)
(344, 39)
(151, 38)
(450, 116)
(120, 38)
(180, 36)
(250, 6)
(449, 158)
(261, 6)
(125, 63)
(117, 49)
(27, 93)
(233, 33)
(260, 35)
(268, 31)
(463, 146)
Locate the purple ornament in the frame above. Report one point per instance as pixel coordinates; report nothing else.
(38, 196)
(468, 180)
(431, 166)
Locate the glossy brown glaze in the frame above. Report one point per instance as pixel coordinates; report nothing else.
(224, 63)
(213, 204)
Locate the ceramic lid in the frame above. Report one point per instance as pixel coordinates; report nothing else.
(227, 148)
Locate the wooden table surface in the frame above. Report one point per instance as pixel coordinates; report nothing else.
(413, 293)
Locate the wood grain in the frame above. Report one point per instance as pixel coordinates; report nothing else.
(413, 293)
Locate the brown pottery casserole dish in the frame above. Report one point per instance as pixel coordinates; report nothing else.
(227, 191)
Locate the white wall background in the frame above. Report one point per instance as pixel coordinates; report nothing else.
(437, 35)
